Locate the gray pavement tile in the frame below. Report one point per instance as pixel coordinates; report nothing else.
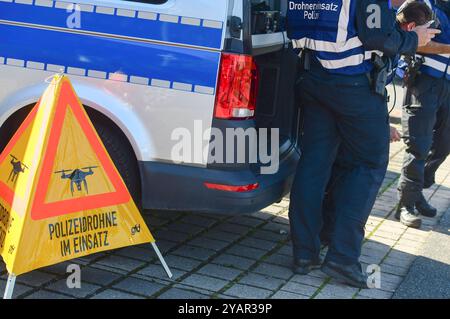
(109, 269)
(298, 288)
(288, 295)
(35, 278)
(308, 280)
(247, 292)
(98, 276)
(234, 261)
(120, 262)
(233, 228)
(154, 222)
(157, 271)
(222, 296)
(258, 243)
(245, 251)
(85, 290)
(45, 294)
(265, 214)
(274, 271)
(208, 243)
(285, 250)
(170, 235)
(19, 289)
(394, 270)
(115, 294)
(262, 281)
(318, 273)
(187, 264)
(163, 245)
(194, 252)
(280, 260)
(334, 290)
(195, 289)
(218, 271)
(91, 258)
(282, 229)
(269, 235)
(375, 294)
(139, 286)
(221, 235)
(205, 282)
(188, 229)
(202, 221)
(136, 253)
(394, 279)
(59, 269)
(401, 255)
(176, 293)
(247, 221)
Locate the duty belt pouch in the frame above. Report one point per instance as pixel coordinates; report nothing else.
(407, 99)
(305, 60)
(380, 74)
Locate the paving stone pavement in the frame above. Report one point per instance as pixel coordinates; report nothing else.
(240, 256)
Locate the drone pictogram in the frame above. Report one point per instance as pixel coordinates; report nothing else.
(18, 167)
(77, 177)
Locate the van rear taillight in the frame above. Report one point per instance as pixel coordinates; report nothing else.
(230, 188)
(237, 87)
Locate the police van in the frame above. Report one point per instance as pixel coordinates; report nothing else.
(145, 68)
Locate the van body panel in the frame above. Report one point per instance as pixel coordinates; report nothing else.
(152, 69)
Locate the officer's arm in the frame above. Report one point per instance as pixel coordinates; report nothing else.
(377, 29)
(435, 48)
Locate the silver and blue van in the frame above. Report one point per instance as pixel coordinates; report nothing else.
(145, 68)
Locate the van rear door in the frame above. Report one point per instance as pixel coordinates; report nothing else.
(276, 106)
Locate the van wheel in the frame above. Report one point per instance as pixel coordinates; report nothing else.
(120, 151)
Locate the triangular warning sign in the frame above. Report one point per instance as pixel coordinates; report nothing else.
(61, 196)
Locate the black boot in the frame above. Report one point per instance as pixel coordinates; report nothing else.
(424, 208)
(408, 216)
(349, 274)
(305, 266)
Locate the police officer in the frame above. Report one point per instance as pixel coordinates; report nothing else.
(341, 107)
(426, 123)
(410, 15)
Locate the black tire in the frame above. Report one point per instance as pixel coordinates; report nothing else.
(120, 151)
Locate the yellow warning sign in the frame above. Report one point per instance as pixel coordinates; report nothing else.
(61, 197)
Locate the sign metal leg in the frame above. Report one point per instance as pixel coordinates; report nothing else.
(9, 286)
(161, 259)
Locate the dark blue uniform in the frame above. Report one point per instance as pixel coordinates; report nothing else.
(340, 109)
(426, 119)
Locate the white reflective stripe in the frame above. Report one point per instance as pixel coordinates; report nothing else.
(344, 19)
(369, 54)
(447, 56)
(435, 64)
(353, 60)
(325, 46)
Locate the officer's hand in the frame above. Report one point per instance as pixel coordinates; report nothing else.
(425, 34)
(395, 135)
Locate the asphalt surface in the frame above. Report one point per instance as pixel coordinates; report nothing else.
(429, 275)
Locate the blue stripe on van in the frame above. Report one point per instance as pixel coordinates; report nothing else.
(177, 65)
(207, 34)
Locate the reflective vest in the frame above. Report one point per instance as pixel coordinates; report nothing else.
(438, 65)
(328, 28)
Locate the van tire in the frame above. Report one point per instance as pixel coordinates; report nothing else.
(120, 151)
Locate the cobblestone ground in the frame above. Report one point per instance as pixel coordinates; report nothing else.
(239, 257)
